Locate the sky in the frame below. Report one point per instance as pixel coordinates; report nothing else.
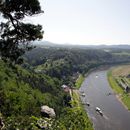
(85, 21)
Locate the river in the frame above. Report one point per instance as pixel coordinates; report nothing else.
(99, 94)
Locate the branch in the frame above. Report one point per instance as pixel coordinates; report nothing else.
(12, 20)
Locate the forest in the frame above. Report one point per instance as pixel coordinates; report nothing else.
(64, 63)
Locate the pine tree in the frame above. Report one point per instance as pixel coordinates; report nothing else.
(15, 34)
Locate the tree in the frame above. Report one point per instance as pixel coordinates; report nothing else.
(15, 34)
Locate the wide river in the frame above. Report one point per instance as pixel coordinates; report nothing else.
(99, 94)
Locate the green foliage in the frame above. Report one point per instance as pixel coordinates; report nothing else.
(22, 93)
(65, 63)
(20, 98)
(126, 100)
(73, 118)
(79, 81)
(15, 34)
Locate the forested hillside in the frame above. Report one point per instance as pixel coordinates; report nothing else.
(22, 93)
(65, 63)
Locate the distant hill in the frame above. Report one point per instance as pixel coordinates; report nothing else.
(47, 44)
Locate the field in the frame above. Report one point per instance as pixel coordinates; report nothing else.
(123, 70)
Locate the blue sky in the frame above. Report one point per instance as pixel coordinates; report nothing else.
(85, 21)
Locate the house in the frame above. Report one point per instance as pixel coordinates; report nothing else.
(68, 96)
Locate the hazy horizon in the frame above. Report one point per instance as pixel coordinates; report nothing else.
(88, 44)
(85, 22)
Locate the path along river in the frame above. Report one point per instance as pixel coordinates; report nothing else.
(99, 94)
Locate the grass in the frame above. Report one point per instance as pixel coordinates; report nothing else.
(76, 99)
(125, 98)
(79, 81)
(114, 84)
(78, 105)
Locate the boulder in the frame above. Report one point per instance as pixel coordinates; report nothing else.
(48, 110)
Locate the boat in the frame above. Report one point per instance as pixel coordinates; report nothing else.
(83, 94)
(99, 111)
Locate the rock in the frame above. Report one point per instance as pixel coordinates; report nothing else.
(48, 110)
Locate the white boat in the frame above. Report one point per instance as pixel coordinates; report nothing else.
(83, 94)
(99, 111)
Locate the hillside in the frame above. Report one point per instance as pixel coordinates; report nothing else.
(64, 64)
(22, 93)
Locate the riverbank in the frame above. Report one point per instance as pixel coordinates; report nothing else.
(79, 81)
(82, 118)
(122, 96)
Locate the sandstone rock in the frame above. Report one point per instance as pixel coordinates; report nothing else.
(48, 110)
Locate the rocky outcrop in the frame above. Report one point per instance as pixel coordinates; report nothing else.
(47, 110)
